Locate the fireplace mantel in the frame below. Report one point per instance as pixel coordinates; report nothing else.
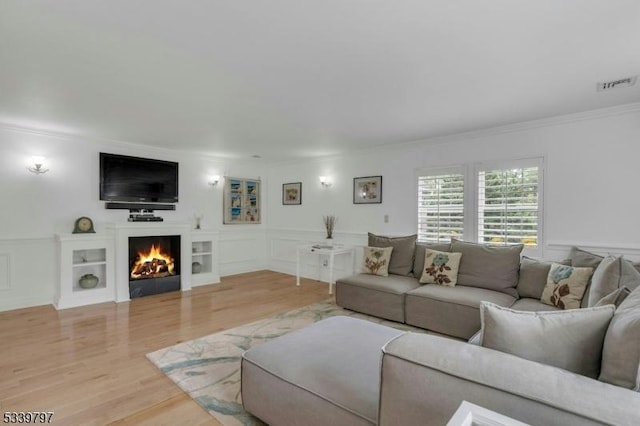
(122, 232)
(106, 255)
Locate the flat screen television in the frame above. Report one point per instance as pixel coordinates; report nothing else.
(134, 179)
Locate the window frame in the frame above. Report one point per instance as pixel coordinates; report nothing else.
(471, 172)
(441, 171)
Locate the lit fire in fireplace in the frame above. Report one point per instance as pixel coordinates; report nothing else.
(154, 264)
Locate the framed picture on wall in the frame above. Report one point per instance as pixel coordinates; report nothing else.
(292, 193)
(367, 190)
(241, 201)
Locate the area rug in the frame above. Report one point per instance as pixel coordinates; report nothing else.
(208, 368)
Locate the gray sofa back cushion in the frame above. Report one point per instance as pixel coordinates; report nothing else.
(582, 258)
(402, 255)
(612, 274)
(421, 248)
(533, 276)
(491, 267)
(571, 339)
(621, 350)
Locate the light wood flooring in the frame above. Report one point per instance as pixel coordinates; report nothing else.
(88, 364)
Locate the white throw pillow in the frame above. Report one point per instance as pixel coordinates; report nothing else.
(376, 260)
(566, 286)
(440, 267)
(571, 340)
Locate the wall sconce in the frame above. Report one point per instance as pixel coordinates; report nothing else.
(213, 180)
(324, 181)
(37, 165)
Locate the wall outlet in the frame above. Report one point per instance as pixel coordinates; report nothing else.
(386, 218)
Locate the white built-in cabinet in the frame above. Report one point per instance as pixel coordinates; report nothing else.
(204, 257)
(82, 254)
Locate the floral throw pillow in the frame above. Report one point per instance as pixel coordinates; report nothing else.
(566, 286)
(376, 260)
(440, 267)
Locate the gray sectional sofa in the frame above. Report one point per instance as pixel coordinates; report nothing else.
(486, 273)
(530, 361)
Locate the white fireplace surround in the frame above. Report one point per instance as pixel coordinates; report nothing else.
(122, 232)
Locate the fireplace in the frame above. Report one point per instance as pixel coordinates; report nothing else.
(154, 265)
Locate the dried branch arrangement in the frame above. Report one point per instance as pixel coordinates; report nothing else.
(329, 224)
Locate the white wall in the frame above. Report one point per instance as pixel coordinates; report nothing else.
(591, 195)
(591, 180)
(36, 207)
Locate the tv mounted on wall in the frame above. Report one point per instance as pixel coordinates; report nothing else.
(138, 180)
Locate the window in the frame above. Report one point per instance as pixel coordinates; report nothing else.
(496, 204)
(440, 206)
(508, 206)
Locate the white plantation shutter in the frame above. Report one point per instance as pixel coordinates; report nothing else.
(509, 205)
(440, 206)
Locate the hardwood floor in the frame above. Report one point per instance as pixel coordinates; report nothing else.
(88, 364)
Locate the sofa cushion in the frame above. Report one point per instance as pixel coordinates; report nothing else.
(621, 350)
(605, 279)
(614, 298)
(394, 284)
(585, 259)
(610, 275)
(450, 310)
(383, 297)
(440, 268)
(401, 262)
(486, 266)
(533, 276)
(376, 260)
(418, 262)
(571, 340)
(630, 275)
(566, 286)
(532, 305)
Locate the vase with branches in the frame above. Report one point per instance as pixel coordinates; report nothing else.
(329, 223)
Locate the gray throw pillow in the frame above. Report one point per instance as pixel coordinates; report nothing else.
(630, 275)
(571, 340)
(614, 298)
(621, 350)
(533, 276)
(402, 255)
(584, 259)
(611, 274)
(605, 279)
(488, 266)
(421, 248)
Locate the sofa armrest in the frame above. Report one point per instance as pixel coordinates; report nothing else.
(425, 378)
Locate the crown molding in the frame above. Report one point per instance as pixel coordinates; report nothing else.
(595, 114)
(101, 141)
(539, 123)
(558, 120)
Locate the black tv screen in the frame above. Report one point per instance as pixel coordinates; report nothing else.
(133, 179)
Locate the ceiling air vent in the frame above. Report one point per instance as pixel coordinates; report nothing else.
(615, 84)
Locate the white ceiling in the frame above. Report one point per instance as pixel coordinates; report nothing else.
(289, 79)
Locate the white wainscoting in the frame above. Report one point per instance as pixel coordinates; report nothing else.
(27, 272)
(282, 245)
(242, 250)
(5, 271)
(556, 250)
